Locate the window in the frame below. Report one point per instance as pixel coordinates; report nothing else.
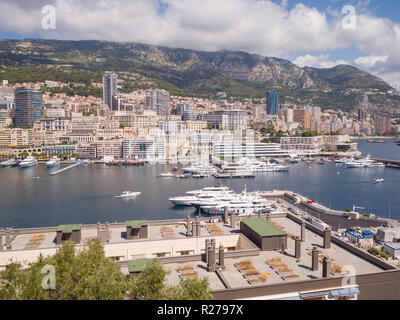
(162, 254)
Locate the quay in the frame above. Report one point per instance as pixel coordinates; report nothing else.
(65, 169)
(389, 163)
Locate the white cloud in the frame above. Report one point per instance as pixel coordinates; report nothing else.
(321, 61)
(262, 27)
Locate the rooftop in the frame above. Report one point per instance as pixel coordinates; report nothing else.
(137, 265)
(263, 227)
(69, 227)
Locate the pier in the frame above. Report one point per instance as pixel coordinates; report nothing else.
(65, 169)
(389, 163)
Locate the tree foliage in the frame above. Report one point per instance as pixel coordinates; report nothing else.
(87, 274)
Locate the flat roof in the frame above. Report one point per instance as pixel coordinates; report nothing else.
(69, 227)
(263, 227)
(138, 265)
(136, 223)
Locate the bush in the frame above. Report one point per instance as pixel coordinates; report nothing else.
(381, 253)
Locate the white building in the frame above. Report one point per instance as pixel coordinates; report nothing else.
(143, 149)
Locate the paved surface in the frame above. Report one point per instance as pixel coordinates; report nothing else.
(336, 222)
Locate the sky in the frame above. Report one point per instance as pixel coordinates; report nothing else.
(316, 33)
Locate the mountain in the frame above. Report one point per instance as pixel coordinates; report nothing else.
(190, 72)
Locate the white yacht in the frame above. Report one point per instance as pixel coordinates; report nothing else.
(198, 169)
(210, 189)
(364, 163)
(240, 206)
(127, 194)
(53, 162)
(262, 166)
(378, 180)
(8, 163)
(167, 175)
(28, 162)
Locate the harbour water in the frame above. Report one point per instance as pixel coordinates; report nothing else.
(87, 194)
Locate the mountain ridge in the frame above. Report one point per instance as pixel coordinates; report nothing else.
(205, 73)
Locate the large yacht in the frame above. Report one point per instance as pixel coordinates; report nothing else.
(28, 162)
(198, 169)
(240, 206)
(53, 162)
(8, 163)
(217, 188)
(364, 163)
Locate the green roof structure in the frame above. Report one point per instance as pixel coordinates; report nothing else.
(138, 265)
(136, 223)
(69, 227)
(263, 227)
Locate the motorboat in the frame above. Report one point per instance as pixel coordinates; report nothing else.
(167, 175)
(127, 194)
(53, 162)
(378, 180)
(28, 162)
(8, 163)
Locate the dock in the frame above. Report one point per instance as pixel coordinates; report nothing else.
(65, 169)
(218, 175)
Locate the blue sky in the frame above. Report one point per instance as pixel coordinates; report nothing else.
(307, 32)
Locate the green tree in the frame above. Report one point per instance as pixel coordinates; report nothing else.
(190, 289)
(149, 284)
(83, 275)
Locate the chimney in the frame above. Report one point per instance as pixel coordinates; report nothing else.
(187, 226)
(303, 231)
(225, 214)
(298, 248)
(327, 238)
(206, 250)
(211, 259)
(326, 267)
(194, 228)
(108, 230)
(213, 244)
(8, 242)
(221, 257)
(314, 259)
(198, 230)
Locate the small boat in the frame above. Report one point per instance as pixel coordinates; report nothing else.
(167, 175)
(126, 194)
(378, 180)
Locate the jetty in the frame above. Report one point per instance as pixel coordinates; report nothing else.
(65, 169)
